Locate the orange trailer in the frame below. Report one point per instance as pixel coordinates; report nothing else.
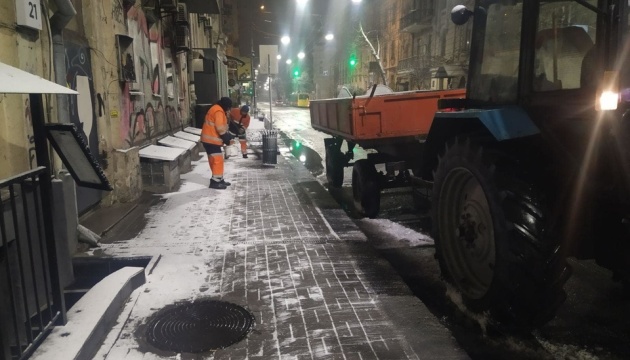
(394, 124)
(367, 118)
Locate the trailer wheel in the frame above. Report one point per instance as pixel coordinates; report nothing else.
(491, 241)
(334, 165)
(365, 189)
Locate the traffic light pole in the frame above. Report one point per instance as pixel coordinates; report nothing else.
(270, 91)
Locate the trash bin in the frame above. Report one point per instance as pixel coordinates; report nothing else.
(270, 147)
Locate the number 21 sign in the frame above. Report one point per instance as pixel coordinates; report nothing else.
(29, 13)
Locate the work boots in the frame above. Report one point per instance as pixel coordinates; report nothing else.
(244, 156)
(219, 185)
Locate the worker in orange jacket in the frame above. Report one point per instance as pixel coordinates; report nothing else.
(242, 120)
(214, 134)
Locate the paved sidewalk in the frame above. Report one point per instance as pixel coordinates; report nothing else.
(277, 244)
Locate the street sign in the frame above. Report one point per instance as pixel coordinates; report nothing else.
(29, 13)
(268, 59)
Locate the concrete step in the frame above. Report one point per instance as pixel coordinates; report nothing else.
(92, 317)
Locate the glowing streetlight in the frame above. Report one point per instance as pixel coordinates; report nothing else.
(262, 7)
(357, 1)
(302, 2)
(329, 37)
(289, 61)
(285, 40)
(301, 55)
(279, 57)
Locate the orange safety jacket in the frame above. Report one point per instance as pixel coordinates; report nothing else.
(214, 126)
(236, 116)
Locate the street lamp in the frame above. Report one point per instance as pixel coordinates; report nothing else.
(301, 55)
(356, 1)
(289, 62)
(279, 57)
(329, 37)
(302, 3)
(285, 40)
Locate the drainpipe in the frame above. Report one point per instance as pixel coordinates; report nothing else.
(66, 220)
(59, 20)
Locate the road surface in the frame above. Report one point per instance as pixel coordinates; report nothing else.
(592, 324)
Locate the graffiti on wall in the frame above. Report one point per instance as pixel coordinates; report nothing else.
(149, 107)
(117, 11)
(32, 160)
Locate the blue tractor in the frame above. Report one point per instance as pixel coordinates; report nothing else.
(533, 166)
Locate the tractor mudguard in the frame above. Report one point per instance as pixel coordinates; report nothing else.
(503, 123)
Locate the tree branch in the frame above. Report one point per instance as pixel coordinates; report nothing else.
(375, 52)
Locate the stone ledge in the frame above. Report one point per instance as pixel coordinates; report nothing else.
(91, 318)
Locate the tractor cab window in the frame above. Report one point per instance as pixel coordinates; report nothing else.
(565, 46)
(494, 77)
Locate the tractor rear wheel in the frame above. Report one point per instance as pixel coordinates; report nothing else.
(491, 241)
(365, 189)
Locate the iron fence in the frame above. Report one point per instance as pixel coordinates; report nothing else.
(31, 300)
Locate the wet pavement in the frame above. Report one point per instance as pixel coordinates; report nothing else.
(277, 244)
(592, 324)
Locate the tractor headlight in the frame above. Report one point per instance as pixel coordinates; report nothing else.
(608, 94)
(609, 100)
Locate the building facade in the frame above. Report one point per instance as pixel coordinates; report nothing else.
(131, 62)
(417, 45)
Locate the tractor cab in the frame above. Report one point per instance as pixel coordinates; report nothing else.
(536, 53)
(534, 165)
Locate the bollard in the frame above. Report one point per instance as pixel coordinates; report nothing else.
(270, 147)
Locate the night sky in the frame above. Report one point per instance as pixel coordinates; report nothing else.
(282, 17)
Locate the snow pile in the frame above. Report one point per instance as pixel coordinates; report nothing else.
(394, 235)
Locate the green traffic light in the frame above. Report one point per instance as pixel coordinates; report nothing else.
(296, 73)
(297, 145)
(353, 61)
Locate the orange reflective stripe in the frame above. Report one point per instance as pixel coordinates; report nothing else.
(217, 154)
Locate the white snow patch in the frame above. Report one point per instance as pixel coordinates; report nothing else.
(161, 152)
(187, 136)
(456, 297)
(397, 233)
(178, 143)
(564, 351)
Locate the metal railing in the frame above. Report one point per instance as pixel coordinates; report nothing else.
(414, 63)
(31, 300)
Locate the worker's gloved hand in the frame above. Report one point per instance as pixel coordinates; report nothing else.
(227, 138)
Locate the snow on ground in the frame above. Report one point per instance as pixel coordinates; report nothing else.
(394, 235)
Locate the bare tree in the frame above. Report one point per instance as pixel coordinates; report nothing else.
(376, 52)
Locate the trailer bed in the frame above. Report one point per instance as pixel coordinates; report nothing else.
(386, 116)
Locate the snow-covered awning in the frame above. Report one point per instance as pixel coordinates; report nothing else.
(16, 81)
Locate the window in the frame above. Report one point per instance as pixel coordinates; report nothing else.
(565, 40)
(494, 76)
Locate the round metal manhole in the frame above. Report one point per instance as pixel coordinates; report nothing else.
(199, 326)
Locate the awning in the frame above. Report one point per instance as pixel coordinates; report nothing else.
(16, 81)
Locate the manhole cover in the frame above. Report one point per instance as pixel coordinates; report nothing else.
(198, 326)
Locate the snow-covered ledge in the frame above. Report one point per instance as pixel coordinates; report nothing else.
(91, 317)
